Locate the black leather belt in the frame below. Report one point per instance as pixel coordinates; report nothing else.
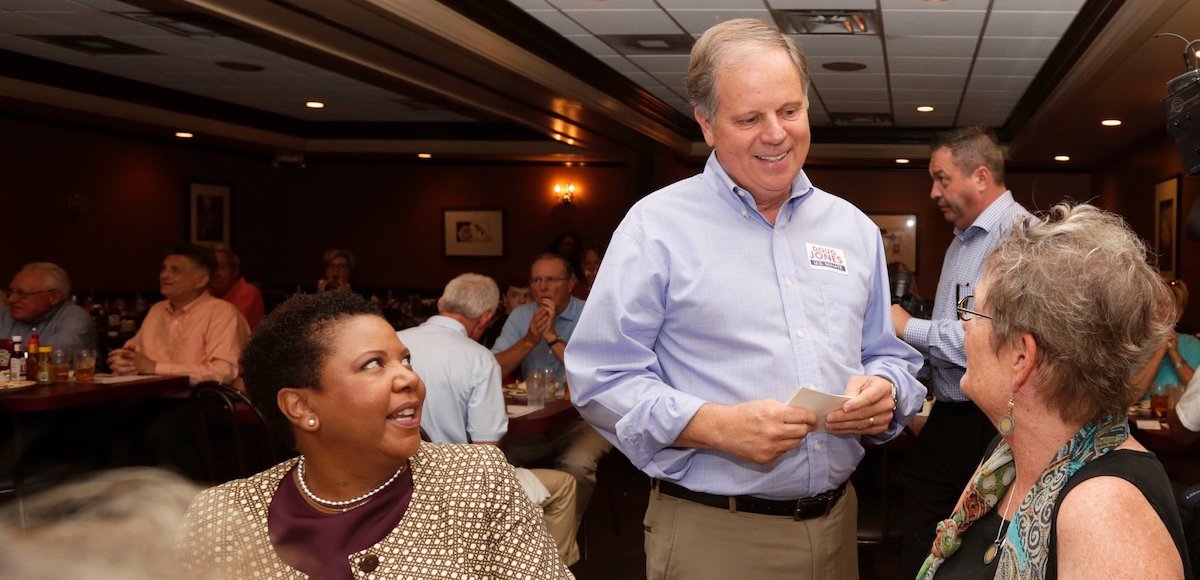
(797, 509)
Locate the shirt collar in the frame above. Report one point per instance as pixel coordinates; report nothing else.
(574, 308)
(37, 322)
(204, 296)
(740, 198)
(447, 323)
(990, 219)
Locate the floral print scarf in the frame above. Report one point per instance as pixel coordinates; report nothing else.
(1026, 546)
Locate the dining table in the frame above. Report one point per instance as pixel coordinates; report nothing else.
(523, 420)
(104, 389)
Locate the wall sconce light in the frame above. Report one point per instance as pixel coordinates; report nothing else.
(565, 192)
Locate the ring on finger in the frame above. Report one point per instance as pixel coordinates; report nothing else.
(871, 420)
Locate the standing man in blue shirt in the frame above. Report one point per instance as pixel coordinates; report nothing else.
(535, 336)
(719, 296)
(967, 167)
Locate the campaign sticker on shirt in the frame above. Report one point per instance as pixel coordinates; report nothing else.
(826, 258)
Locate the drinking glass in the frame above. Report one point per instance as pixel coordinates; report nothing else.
(85, 365)
(1174, 393)
(1158, 400)
(535, 387)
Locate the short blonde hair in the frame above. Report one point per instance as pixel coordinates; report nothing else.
(1078, 281)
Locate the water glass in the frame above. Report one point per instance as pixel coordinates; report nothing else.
(1174, 393)
(85, 365)
(1158, 400)
(535, 387)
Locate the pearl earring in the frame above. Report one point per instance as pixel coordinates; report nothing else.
(312, 422)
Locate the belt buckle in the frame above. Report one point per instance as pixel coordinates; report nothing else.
(803, 508)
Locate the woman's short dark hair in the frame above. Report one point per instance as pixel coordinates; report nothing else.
(291, 345)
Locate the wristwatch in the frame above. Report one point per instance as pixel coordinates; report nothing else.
(895, 392)
(557, 339)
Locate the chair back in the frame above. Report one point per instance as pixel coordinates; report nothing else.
(234, 438)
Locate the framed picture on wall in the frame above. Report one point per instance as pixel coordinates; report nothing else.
(1166, 226)
(473, 232)
(208, 213)
(899, 233)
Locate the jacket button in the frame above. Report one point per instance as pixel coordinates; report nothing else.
(369, 563)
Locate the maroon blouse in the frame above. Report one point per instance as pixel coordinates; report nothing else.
(318, 543)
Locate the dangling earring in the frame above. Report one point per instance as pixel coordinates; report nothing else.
(1007, 423)
(312, 421)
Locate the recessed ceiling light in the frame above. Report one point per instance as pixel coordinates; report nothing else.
(902, 161)
(1111, 122)
(315, 105)
(925, 109)
(1062, 157)
(184, 135)
(425, 155)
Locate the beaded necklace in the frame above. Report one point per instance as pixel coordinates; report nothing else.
(342, 504)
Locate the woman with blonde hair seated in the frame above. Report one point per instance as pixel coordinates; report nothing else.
(366, 496)
(1065, 312)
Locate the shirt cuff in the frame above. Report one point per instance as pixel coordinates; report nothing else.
(917, 331)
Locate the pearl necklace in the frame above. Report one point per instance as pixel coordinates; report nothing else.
(342, 504)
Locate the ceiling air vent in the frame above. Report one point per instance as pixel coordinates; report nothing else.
(861, 119)
(827, 21)
(649, 43)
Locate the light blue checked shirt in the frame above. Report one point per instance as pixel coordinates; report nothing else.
(941, 339)
(541, 357)
(700, 299)
(463, 397)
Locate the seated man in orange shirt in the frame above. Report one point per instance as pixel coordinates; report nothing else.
(190, 333)
(228, 284)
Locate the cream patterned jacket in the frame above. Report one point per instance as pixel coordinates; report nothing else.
(468, 519)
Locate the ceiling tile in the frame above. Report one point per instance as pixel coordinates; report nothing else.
(697, 21)
(712, 4)
(1008, 98)
(619, 63)
(592, 44)
(932, 22)
(654, 63)
(603, 4)
(1008, 66)
(103, 24)
(557, 21)
(999, 83)
(857, 107)
(926, 5)
(818, 118)
(929, 96)
(822, 4)
(43, 6)
(921, 65)
(1029, 24)
(671, 79)
(12, 23)
(1042, 5)
(983, 119)
(849, 80)
(1009, 47)
(531, 4)
(641, 78)
(931, 45)
(940, 82)
(863, 95)
(839, 45)
(625, 21)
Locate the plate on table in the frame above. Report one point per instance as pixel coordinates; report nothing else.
(14, 385)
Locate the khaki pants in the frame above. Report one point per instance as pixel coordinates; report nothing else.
(687, 540)
(558, 511)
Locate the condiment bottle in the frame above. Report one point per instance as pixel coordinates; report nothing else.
(45, 370)
(17, 362)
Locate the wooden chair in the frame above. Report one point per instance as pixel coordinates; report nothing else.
(234, 438)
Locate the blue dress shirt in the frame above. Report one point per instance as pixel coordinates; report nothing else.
(941, 338)
(65, 327)
(701, 299)
(541, 356)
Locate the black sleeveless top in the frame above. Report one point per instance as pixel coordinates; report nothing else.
(1141, 469)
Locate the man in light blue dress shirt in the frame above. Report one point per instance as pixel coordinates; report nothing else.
(719, 296)
(40, 302)
(967, 167)
(535, 336)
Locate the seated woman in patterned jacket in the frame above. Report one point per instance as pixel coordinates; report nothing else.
(366, 496)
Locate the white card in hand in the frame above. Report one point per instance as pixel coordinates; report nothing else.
(816, 401)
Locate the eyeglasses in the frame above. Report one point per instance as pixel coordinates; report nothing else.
(965, 313)
(14, 294)
(549, 280)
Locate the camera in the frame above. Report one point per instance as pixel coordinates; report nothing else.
(902, 283)
(1182, 105)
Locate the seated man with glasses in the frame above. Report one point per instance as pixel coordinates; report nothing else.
(38, 302)
(534, 337)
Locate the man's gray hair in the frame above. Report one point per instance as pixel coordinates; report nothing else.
(972, 147)
(471, 295)
(716, 49)
(58, 278)
(1078, 281)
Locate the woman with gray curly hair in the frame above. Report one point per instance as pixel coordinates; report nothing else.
(1066, 311)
